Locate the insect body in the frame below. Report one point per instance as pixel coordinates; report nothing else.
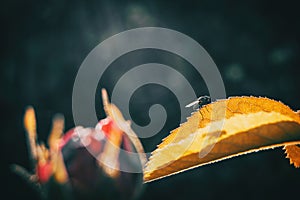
(201, 101)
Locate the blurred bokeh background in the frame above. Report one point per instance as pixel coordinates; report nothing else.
(255, 45)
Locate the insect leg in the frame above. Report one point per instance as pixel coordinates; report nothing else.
(201, 114)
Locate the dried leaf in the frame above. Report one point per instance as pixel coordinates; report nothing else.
(293, 153)
(224, 129)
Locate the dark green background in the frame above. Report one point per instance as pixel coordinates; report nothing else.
(255, 44)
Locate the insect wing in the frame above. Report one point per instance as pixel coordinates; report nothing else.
(192, 104)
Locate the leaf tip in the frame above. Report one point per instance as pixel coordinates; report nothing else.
(293, 154)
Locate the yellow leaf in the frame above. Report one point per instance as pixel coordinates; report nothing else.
(293, 153)
(58, 125)
(59, 169)
(224, 129)
(30, 127)
(113, 112)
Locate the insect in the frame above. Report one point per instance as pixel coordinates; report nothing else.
(201, 101)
